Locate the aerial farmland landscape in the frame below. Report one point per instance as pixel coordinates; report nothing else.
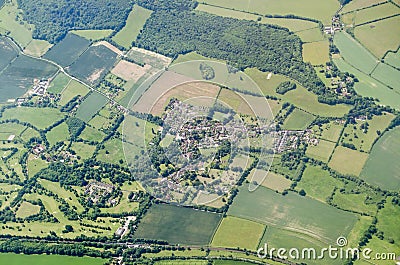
(213, 132)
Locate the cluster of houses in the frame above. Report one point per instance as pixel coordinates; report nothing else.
(40, 87)
(290, 140)
(335, 26)
(96, 190)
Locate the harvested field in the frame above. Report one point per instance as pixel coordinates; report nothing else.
(129, 71)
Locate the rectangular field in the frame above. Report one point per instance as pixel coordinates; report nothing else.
(34, 116)
(382, 167)
(358, 4)
(298, 120)
(93, 34)
(17, 259)
(276, 182)
(58, 83)
(246, 233)
(316, 52)
(94, 64)
(293, 212)
(347, 161)
(68, 50)
(388, 75)
(135, 22)
(91, 105)
(178, 225)
(393, 58)
(376, 12)
(322, 151)
(73, 89)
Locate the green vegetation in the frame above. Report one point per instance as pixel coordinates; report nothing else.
(236, 232)
(354, 202)
(91, 105)
(387, 75)
(82, 150)
(37, 47)
(311, 35)
(91, 134)
(93, 34)
(68, 50)
(322, 151)
(382, 166)
(380, 36)
(66, 15)
(58, 84)
(348, 161)
(393, 58)
(58, 134)
(303, 214)
(316, 52)
(34, 116)
(298, 120)
(178, 225)
(17, 259)
(134, 24)
(318, 183)
(93, 64)
(354, 53)
(387, 222)
(73, 89)
(276, 182)
(374, 13)
(27, 209)
(358, 4)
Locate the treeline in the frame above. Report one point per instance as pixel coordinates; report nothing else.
(167, 4)
(54, 18)
(241, 43)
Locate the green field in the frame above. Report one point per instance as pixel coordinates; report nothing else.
(91, 134)
(237, 232)
(387, 75)
(37, 47)
(298, 120)
(73, 89)
(59, 133)
(292, 211)
(134, 24)
(7, 52)
(18, 259)
(308, 8)
(393, 58)
(322, 151)
(68, 50)
(181, 262)
(380, 36)
(27, 209)
(354, 202)
(178, 225)
(376, 12)
(316, 52)
(354, 134)
(310, 35)
(370, 87)
(91, 105)
(388, 222)
(331, 131)
(34, 116)
(382, 167)
(82, 150)
(354, 53)
(276, 182)
(358, 4)
(347, 161)
(93, 64)
(58, 84)
(35, 165)
(93, 34)
(318, 183)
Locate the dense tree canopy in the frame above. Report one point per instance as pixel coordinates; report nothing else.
(53, 18)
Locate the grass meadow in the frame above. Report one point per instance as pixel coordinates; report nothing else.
(90, 106)
(74, 88)
(354, 202)
(59, 133)
(358, 4)
(17, 259)
(393, 58)
(93, 34)
(178, 225)
(382, 167)
(246, 233)
(298, 120)
(58, 84)
(380, 11)
(388, 75)
(27, 209)
(34, 116)
(316, 52)
(347, 161)
(322, 151)
(276, 182)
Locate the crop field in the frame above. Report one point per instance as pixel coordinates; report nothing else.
(316, 52)
(68, 50)
(19, 30)
(129, 71)
(93, 34)
(382, 167)
(293, 212)
(376, 12)
(135, 22)
(94, 64)
(310, 35)
(37, 47)
(156, 60)
(387, 75)
(7, 52)
(58, 84)
(18, 77)
(380, 36)
(354, 53)
(181, 262)
(178, 225)
(27, 209)
(91, 105)
(358, 4)
(318, 183)
(73, 89)
(354, 134)
(246, 233)
(276, 182)
(34, 116)
(309, 8)
(347, 161)
(58, 134)
(370, 87)
(282, 238)
(299, 97)
(393, 58)
(17, 259)
(298, 120)
(322, 151)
